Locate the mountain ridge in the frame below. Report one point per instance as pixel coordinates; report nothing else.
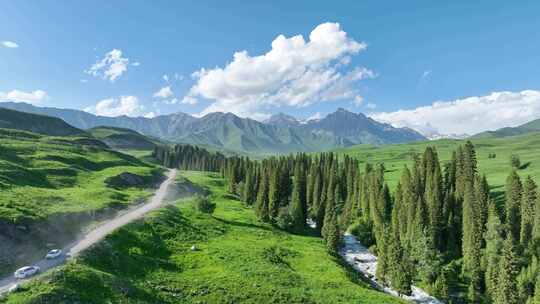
(282, 134)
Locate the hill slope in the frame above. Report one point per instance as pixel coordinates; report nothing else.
(532, 126)
(496, 169)
(11, 119)
(230, 132)
(122, 138)
(51, 186)
(239, 260)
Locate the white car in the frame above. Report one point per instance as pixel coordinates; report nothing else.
(53, 254)
(26, 271)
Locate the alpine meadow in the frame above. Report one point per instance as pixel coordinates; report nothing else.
(269, 152)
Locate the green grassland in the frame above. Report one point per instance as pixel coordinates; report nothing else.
(43, 175)
(394, 157)
(238, 260)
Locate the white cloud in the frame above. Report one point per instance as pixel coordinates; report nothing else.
(166, 78)
(315, 116)
(164, 92)
(124, 105)
(469, 115)
(136, 63)
(34, 97)
(371, 106)
(426, 74)
(189, 100)
(358, 100)
(111, 67)
(150, 115)
(294, 73)
(10, 44)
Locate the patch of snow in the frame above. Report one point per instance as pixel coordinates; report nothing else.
(359, 257)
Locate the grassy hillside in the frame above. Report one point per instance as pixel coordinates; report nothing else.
(497, 169)
(532, 126)
(238, 260)
(42, 175)
(121, 138)
(36, 123)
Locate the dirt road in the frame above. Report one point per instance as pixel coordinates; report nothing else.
(94, 235)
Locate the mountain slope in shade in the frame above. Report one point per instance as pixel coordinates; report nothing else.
(532, 126)
(122, 138)
(282, 120)
(280, 134)
(41, 124)
(360, 129)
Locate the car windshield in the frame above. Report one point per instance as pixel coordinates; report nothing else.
(54, 251)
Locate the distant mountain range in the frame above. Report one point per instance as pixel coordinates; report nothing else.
(279, 134)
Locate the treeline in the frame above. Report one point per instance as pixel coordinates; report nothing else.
(440, 225)
(188, 157)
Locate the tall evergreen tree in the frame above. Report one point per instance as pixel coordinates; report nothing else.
(513, 204)
(399, 266)
(298, 201)
(528, 203)
(274, 192)
(472, 244)
(507, 288)
(494, 242)
(261, 206)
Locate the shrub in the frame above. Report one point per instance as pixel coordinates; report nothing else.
(204, 205)
(284, 219)
(515, 161)
(363, 231)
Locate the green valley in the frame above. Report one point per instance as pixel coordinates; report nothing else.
(236, 259)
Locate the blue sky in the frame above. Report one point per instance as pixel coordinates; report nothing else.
(417, 53)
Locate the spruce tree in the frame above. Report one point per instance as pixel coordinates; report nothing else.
(261, 206)
(273, 192)
(472, 244)
(330, 228)
(536, 297)
(528, 203)
(399, 266)
(494, 242)
(506, 284)
(298, 202)
(513, 204)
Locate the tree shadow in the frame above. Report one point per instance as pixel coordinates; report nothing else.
(524, 166)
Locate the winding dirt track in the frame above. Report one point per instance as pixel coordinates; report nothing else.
(94, 235)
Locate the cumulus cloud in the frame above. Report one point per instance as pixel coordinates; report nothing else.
(124, 105)
(294, 72)
(164, 92)
(110, 67)
(34, 97)
(10, 44)
(469, 115)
